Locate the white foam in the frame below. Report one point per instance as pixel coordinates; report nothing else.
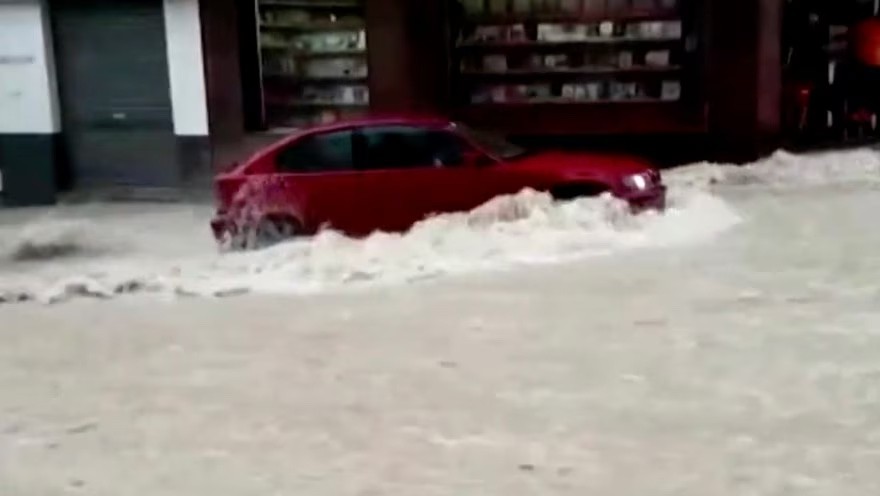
(50, 238)
(528, 228)
(785, 170)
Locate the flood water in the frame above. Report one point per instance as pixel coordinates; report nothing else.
(728, 347)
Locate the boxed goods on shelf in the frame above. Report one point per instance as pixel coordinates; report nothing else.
(310, 53)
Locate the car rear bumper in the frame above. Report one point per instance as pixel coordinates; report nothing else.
(650, 199)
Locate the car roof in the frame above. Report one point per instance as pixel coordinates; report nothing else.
(368, 121)
(378, 120)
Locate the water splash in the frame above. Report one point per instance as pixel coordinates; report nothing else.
(528, 228)
(52, 260)
(784, 170)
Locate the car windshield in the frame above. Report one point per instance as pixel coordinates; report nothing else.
(493, 143)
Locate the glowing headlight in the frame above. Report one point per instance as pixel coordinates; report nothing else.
(636, 181)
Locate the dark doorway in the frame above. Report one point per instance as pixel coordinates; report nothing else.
(115, 98)
(249, 54)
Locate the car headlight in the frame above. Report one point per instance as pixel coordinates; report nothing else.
(638, 181)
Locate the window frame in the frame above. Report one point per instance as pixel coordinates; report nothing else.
(360, 146)
(311, 137)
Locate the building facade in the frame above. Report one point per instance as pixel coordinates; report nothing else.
(159, 94)
(100, 94)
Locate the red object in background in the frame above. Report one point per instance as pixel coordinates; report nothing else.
(387, 174)
(866, 41)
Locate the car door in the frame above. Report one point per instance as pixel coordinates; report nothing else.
(318, 182)
(410, 172)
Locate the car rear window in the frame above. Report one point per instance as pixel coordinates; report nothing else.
(403, 147)
(330, 152)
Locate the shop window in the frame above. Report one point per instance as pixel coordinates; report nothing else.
(565, 52)
(831, 72)
(313, 61)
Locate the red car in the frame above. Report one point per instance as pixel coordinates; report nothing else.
(387, 174)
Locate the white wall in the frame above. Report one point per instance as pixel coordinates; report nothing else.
(186, 67)
(28, 96)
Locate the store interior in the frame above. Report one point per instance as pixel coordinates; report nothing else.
(587, 72)
(310, 59)
(568, 63)
(831, 71)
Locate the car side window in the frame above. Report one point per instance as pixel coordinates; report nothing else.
(404, 147)
(328, 152)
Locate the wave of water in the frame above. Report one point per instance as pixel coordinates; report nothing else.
(528, 228)
(784, 170)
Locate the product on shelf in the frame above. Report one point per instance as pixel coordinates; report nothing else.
(334, 41)
(556, 61)
(309, 54)
(585, 92)
(476, 8)
(340, 94)
(657, 58)
(622, 91)
(495, 63)
(355, 67)
(671, 91)
(565, 51)
(562, 32)
(285, 16)
(672, 29)
(597, 91)
(488, 34)
(625, 59)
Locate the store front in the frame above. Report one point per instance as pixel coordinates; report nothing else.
(831, 72)
(697, 73)
(209, 82)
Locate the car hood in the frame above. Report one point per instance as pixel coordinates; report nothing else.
(607, 167)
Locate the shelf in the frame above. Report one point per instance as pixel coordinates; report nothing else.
(566, 101)
(316, 27)
(310, 4)
(315, 79)
(584, 71)
(355, 52)
(541, 45)
(574, 17)
(294, 32)
(317, 104)
(563, 117)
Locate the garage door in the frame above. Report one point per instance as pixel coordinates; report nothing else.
(115, 100)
